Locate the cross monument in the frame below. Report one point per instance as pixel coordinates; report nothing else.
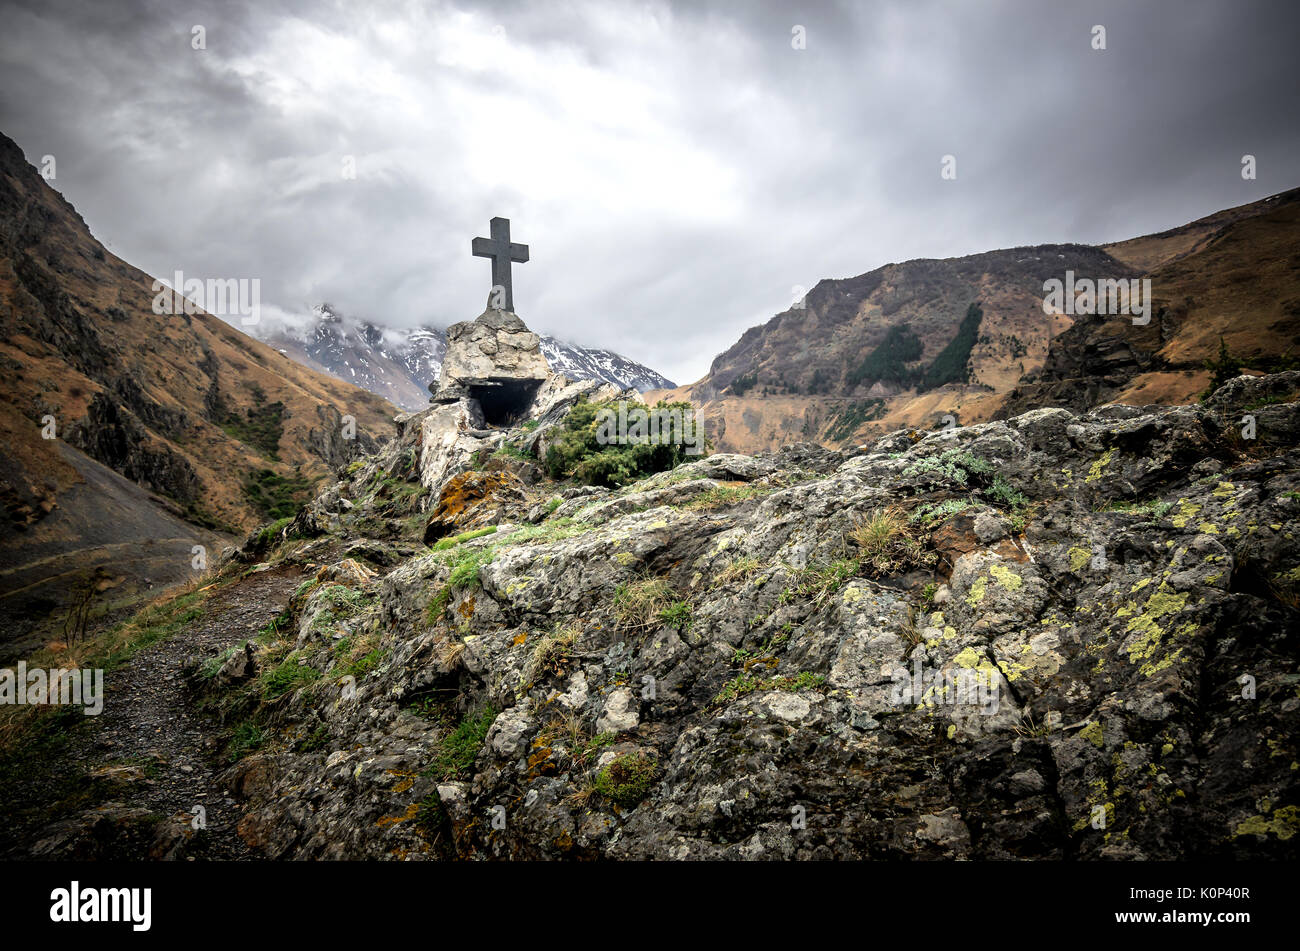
(502, 252)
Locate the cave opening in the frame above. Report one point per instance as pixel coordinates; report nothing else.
(504, 401)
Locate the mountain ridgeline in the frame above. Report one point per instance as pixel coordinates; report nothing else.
(908, 344)
(402, 364)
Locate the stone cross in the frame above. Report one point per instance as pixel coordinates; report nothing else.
(502, 252)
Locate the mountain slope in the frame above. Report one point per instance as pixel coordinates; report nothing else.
(164, 400)
(860, 357)
(1234, 276)
(400, 364)
(887, 349)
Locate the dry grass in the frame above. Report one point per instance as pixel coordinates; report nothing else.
(553, 653)
(450, 654)
(739, 569)
(886, 541)
(639, 604)
(163, 617)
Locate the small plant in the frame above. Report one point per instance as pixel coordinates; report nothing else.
(338, 602)
(1285, 586)
(459, 748)
(724, 496)
(317, 741)
(1005, 494)
(451, 653)
(885, 541)
(954, 464)
(911, 633)
(553, 653)
(739, 686)
(766, 653)
(1030, 727)
(246, 738)
(626, 779)
(452, 541)
(933, 512)
(1154, 507)
(212, 666)
(639, 605)
(819, 582)
(362, 665)
(463, 576)
(511, 451)
(739, 569)
(430, 818)
(287, 676)
(677, 615)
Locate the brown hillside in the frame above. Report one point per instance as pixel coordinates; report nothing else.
(1235, 273)
(800, 375)
(164, 400)
(1241, 284)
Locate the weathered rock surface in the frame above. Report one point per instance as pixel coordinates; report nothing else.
(495, 350)
(714, 663)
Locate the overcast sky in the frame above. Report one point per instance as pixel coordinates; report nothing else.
(676, 169)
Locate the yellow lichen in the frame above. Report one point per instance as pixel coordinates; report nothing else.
(1006, 577)
(1098, 467)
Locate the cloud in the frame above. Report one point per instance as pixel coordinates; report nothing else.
(676, 169)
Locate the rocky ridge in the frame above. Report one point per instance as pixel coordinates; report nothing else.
(706, 663)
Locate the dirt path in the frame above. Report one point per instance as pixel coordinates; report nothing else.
(148, 746)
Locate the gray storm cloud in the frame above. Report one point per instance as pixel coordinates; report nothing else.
(676, 169)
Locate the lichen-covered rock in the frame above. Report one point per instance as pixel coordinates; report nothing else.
(1056, 636)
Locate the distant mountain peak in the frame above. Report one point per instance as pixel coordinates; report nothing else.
(400, 364)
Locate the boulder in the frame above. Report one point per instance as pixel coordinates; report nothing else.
(497, 361)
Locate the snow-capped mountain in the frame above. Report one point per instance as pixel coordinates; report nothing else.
(399, 364)
(585, 363)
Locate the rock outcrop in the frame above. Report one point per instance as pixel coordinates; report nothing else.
(1064, 635)
(493, 375)
(497, 361)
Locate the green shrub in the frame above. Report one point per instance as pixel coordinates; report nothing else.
(578, 454)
